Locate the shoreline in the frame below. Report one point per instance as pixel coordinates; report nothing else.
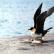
(14, 46)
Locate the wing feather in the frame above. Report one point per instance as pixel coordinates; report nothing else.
(41, 19)
(37, 13)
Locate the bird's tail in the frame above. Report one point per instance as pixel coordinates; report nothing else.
(37, 13)
(49, 28)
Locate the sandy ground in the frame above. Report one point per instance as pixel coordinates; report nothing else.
(16, 45)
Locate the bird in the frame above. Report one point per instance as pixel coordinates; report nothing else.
(39, 20)
(37, 13)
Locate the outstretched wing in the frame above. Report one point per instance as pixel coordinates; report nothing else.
(37, 13)
(41, 19)
(40, 22)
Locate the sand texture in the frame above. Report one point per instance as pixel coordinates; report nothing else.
(17, 45)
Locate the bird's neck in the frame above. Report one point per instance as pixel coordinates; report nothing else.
(33, 30)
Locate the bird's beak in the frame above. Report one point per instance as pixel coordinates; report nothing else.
(28, 29)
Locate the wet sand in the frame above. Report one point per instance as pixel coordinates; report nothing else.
(15, 45)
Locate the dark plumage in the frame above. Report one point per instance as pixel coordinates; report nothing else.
(37, 13)
(39, 19)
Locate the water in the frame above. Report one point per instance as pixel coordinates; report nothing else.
(16, 17)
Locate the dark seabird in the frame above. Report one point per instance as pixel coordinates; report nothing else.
(37, 13)
(39, 20)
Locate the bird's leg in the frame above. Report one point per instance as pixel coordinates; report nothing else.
(37, 40)
(33, 37)
(39, 37)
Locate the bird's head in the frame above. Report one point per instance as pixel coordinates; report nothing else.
(31, 28)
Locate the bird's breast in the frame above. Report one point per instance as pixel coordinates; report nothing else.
(33, 31)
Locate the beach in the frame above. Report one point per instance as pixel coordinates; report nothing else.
(15, 45)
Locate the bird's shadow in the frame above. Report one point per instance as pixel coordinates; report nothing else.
(45, 43)
(23, 48)
(49, 41)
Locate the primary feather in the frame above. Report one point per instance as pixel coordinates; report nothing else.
(41, 19)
